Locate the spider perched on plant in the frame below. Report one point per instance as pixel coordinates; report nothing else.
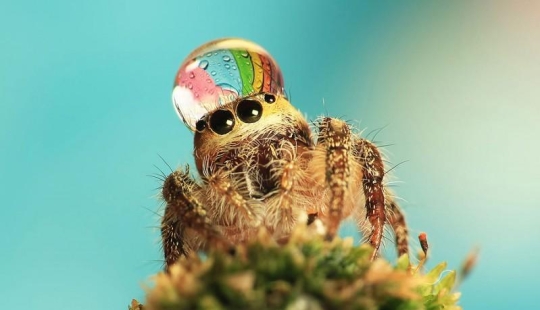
(260, 165)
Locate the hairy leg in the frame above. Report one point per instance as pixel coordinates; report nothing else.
(399, 226)
(182, 212)
(344, 154)
(372, 182)
(335, 135)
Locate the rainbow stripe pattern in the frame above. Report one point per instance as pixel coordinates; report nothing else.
(221, 72)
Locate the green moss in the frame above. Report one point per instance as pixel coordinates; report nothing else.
(306, 273)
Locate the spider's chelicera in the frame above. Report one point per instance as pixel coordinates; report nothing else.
(260, 164)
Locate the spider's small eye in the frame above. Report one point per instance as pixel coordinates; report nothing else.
(249, 111)
(200, 125)
(222, 121)
(269, 98)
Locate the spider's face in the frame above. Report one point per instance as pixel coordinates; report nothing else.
(248, 133)
(259, 117)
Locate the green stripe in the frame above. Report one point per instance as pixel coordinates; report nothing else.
(245, 67)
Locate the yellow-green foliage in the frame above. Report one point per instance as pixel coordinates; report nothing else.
(306, 273)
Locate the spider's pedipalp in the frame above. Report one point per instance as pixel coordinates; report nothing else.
(287, 205)
(228, 196)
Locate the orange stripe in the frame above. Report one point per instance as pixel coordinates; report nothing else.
(256, 59)
(267, 73)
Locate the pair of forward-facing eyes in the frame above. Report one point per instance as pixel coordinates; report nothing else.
(222, 121)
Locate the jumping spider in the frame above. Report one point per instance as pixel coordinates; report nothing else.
(260, 165)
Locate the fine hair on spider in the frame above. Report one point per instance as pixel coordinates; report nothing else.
(260, 164)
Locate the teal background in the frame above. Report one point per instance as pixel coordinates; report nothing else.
(85, 110)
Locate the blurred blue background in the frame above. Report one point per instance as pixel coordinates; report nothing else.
(85, 109)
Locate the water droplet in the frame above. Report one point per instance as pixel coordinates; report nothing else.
(203, 64)
(227, 58)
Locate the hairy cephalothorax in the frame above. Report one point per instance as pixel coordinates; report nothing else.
(259, 163)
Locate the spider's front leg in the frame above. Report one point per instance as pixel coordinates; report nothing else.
(350, 162)
(335, 139)
(399, 226)
(184, 215)
(380, 205)
(372, 184)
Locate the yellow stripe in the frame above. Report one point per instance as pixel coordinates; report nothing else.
(258, 75)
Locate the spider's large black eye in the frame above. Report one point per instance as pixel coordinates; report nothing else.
(222, 121)
(249, 111)
(269, 98)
